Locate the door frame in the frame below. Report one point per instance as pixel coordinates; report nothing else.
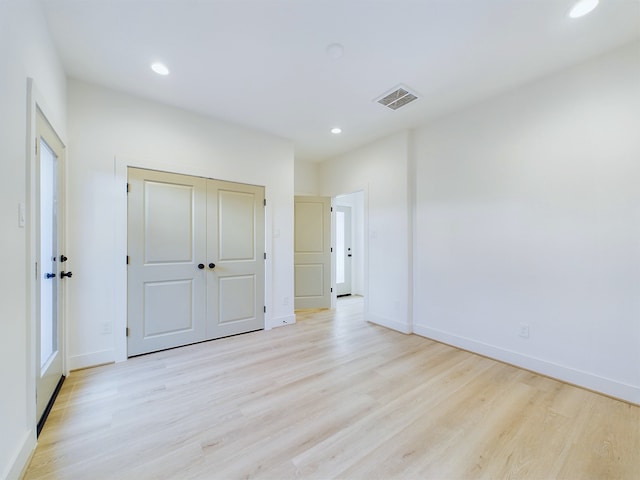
(35, 102)
(121, 165)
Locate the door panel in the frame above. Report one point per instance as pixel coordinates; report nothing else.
(166, 242)
(168, 307)
(49, 351)
(236, 225)
(235, 240)
(312, 256)
(169, 232)
(232, 292)
(310, 280)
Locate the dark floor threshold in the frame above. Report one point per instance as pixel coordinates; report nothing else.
(345, 295)
(47, 410)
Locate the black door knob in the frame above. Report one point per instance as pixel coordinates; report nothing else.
(50, 275)
(212, 265)
(201, 266)
(63, 258)
(66, 274)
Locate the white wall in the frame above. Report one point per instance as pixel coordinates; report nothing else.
(528, 211)
(25, 51)
(380, 171)
(104, 125)
(306, 178)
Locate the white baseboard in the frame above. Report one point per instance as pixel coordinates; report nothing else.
(284, 320)
(91, 359)
(386, 322)
(613, 388)
(19, 464)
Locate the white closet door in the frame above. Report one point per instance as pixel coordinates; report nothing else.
(235, 264)
(167, 252)
(312, 255)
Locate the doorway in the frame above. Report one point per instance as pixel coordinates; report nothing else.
(350, 244)
(344, 253)
(50, 262)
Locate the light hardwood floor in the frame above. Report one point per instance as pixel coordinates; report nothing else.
(331, 397)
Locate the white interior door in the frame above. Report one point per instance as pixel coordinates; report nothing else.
(166, 247)
(344, 253)
(196, 260)
(312, 252)
(235, 256)
(49, 284)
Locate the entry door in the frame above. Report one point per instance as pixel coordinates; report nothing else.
(196, 260)
(49, 338)
(312, 252)
(344, 253)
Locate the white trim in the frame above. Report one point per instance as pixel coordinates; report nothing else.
(387, 322)
(91, 359)
(563, 373)
(281, 321)
(18, 465)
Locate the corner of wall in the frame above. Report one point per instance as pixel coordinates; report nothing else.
(18, 466)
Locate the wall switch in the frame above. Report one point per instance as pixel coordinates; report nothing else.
(524, 330)
(22, 215)
(107, 328)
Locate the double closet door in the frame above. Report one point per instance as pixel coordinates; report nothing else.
(195, 260)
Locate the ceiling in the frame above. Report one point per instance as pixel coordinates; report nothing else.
(264, 63)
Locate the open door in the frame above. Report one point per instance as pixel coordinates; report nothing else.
(344, 250)
(312, 252)
(50, 260)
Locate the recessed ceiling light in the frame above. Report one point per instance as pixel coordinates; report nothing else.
(160, 68)
(335, 50)
(582, 7)
(336, 130)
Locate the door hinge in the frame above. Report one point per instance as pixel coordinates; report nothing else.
(265, 202)
(127, 331)
(128, 190)
(332, 209)
(331, 289)
(265, 255)
(127, 259)
(36, 145)
(331, 249)
(265, 309)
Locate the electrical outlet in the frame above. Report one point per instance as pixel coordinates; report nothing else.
(524, 330)
(107, 328)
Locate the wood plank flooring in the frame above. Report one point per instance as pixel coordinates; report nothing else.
(331, 397)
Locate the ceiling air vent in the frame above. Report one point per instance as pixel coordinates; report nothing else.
(399, 97)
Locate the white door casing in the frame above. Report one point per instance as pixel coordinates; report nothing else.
(196, 265)
(312, 252)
